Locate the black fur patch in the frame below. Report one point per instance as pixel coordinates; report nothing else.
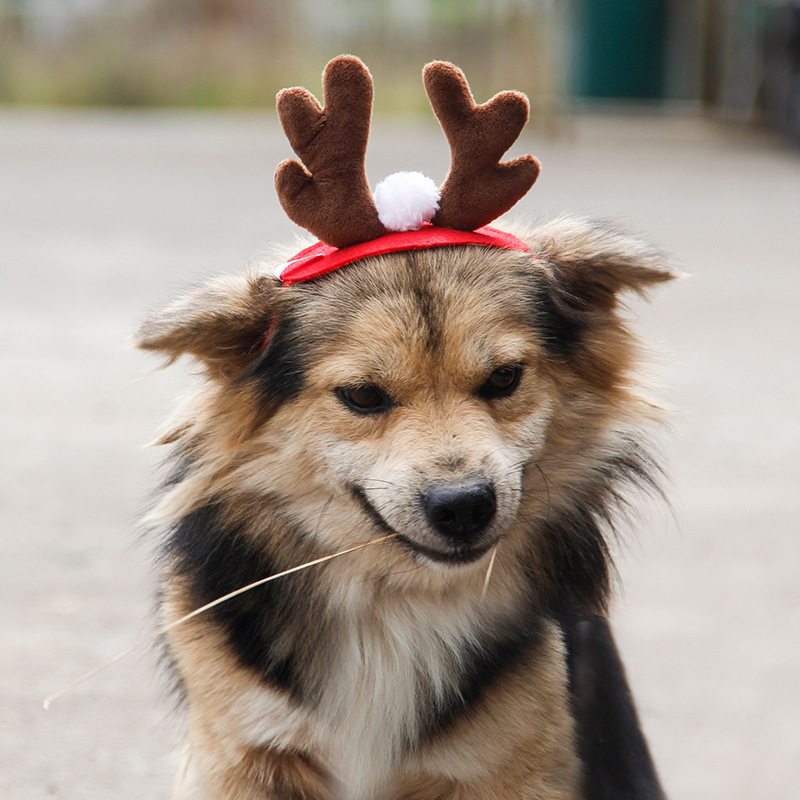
(280, 371)
(615, 760)
(576, 560)
(483, 666)
(262, 625)
(559, 324)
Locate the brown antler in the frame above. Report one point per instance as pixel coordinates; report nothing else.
(328, 193)
(478, 187)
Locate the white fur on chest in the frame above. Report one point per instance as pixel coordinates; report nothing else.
(390, 662)
(393, 660)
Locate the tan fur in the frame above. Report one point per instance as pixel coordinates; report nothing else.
(381, 623)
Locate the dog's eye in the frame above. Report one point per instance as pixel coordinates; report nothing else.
(502, 382)
(366, 399)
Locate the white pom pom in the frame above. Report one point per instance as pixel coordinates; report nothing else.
(406, 200)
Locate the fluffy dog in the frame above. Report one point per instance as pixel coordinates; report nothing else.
(472, 411)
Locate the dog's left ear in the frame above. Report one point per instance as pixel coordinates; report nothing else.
(222, 324)
(592, 264)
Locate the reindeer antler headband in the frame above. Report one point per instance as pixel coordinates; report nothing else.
(328, 193)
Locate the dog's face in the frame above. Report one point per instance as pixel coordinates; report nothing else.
(426, 382)
(450, 396)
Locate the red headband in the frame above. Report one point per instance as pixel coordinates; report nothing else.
(320, 258)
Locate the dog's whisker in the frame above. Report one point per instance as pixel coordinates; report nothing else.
(378, 483)
(381, 507)
(380, 480)
(144, 641)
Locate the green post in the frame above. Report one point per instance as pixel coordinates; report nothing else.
(620, 48)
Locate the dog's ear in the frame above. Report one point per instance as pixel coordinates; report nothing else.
(592, 264)
(223, 324)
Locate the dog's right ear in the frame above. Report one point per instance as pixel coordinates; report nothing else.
(222, 324)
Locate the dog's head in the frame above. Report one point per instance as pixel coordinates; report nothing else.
(458, 397)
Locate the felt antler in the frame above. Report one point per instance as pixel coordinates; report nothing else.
(328, 193)
(478, 187)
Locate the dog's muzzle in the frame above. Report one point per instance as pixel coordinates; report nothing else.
(457, 513)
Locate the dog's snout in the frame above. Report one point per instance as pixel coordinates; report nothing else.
(460, 511)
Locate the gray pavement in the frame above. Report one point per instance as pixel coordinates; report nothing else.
(103, 216)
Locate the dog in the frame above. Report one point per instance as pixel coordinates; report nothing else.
(473, 415)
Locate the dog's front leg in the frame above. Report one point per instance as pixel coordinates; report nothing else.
(260, 774)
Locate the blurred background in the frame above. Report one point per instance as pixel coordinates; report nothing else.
(137, 145)
(737, 59)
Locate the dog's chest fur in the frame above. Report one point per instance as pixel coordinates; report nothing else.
(392, 674)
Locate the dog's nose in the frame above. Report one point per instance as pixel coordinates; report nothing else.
(460, 511)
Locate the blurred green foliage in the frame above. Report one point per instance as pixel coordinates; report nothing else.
(240, 52)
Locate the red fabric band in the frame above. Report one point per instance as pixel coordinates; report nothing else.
(320, 259)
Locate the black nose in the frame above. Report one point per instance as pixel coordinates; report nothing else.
(460, 511)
